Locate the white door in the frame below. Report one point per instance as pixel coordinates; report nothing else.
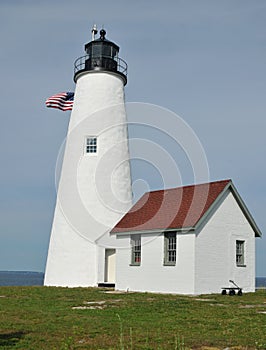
(109, 275)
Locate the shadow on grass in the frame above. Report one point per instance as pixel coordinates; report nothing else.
(10, 339)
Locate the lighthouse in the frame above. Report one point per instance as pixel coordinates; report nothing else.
(94, 189)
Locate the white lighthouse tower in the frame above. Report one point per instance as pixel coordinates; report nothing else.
(94, 190)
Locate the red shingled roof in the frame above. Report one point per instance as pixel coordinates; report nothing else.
(180, 207)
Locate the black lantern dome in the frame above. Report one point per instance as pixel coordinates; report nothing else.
(101, 56)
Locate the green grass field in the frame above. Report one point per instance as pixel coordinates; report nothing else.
(87, 318)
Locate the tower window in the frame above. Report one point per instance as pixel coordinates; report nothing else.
(91, 145)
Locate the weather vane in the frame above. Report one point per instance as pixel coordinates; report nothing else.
(94, 31)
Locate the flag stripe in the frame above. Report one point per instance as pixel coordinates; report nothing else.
(63, 101)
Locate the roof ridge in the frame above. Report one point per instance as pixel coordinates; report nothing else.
(187, 186)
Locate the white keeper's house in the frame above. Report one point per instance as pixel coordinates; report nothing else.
(187, 240)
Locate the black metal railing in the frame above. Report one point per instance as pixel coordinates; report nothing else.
(102, 62)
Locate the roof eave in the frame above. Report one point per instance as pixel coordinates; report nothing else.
(154, 231)
(246, 212)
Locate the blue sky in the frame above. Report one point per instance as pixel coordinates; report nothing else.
(205, 60)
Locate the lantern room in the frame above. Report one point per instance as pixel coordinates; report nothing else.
(101, 56)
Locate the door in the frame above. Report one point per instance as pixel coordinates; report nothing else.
(109, 273)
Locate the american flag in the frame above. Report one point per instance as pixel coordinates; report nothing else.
(63, 101)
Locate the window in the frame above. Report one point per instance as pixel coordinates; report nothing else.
(135, 249)
(240, 261)
(91, 145)
(170, 248)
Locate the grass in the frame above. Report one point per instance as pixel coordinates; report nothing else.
(44, 318)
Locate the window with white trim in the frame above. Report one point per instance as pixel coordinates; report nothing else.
(135, 249)
(91, 144)
(240, 258)
(170, 248)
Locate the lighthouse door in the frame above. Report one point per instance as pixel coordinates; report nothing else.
(109, 274)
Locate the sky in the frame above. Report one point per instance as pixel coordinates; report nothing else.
(204, 60)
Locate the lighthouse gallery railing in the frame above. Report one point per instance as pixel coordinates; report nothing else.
(102, 62)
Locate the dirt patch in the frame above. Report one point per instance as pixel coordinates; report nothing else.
(96, 305)
(251, 306)
(227, 348)
(102, 302)
(95, 302)
(236, 348)
(116, 292)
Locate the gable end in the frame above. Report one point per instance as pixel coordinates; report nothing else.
(230, 187)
